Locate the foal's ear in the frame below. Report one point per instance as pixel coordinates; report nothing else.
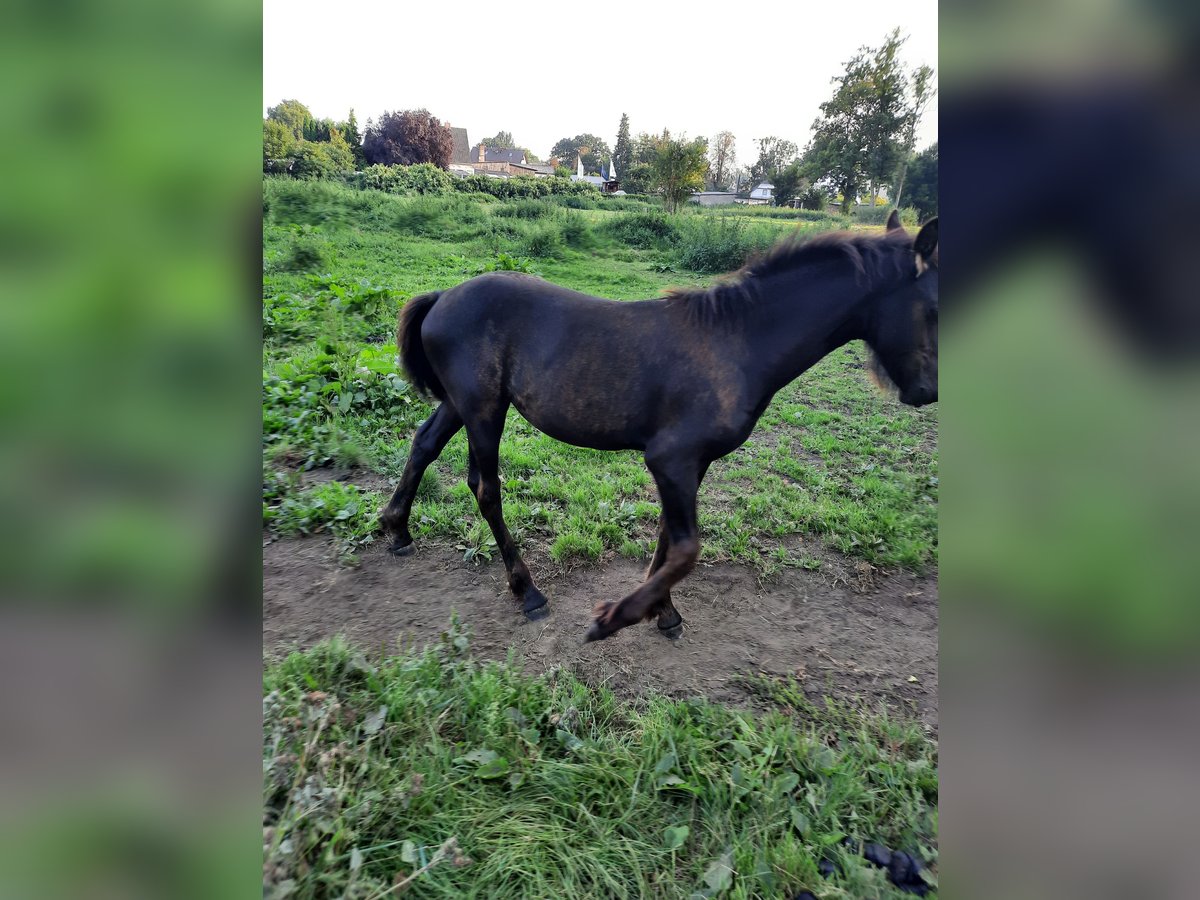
(926, 244)
(893, 222)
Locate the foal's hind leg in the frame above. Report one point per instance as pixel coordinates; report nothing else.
(484, 478)
(428, 443)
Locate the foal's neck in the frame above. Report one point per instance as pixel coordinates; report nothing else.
(802, 314)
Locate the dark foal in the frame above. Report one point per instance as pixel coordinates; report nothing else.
(683, 379)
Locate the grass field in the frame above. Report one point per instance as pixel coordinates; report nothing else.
(831, 458)
(550, 787)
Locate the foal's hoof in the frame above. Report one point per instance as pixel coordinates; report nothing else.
(398, 549)
(534, 606)
(672, 629)
(595, 632)
(672, 632)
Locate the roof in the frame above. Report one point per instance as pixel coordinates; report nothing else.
(462, 147)
(500, 155)
(762, 191)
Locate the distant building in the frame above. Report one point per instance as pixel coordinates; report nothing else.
(506, 161)
(606, 181)
(461, 155)
(762, 194)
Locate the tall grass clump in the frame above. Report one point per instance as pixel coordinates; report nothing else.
(866, 215)
(712, 245)
(544, 240)
(525, 209)
(308, 252)
(576, 232)
(643, 230)
(575, 201)
(785, 213)
(304, 202)
(437, 216)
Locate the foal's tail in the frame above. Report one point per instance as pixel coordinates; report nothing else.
(412, 351)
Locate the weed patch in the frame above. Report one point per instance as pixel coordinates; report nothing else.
(551, 788)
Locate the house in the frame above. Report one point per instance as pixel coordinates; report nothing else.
(506, 161)
(713, 198)
(762, 194)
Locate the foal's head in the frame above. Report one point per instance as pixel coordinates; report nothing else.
(902, 330)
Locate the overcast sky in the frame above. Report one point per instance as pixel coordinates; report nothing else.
(548, 71)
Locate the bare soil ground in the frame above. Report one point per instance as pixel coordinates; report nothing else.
(845, 630)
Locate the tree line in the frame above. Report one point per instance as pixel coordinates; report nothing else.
(863, 143)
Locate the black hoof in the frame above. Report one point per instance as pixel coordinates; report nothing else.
(535, 604)
(672, 627)
(398, 549)
(672, 632)
(595, 632)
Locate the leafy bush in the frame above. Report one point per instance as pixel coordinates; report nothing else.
(340, 509)
(505, 263)
(642, 229)
(712, 245)
(814, 199)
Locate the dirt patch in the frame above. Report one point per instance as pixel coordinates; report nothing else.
(845, 630)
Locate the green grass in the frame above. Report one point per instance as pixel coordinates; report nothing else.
(831, 458)
(554, 789)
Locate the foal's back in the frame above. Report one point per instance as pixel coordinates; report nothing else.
(592, 372)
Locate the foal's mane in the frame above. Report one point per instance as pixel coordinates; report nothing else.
(873, 257)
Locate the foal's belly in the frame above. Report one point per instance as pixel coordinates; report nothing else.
(573, 420)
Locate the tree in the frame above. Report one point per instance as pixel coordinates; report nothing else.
(923, 182)
(349, 130)
(293, 114)
(859, 140)
(679, 167)
(339, 151)
(623, 152)
(312, 161)
(278, 140)
(922, 93)
(408, 137)
(722, 156)
(502, 141)
(789, 183)
(593, 150)
(887, 115)
(774, 153)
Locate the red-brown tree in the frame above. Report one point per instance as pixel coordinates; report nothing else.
(408, 137)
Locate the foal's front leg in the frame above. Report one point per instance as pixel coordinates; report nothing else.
(678, 479)
(670, 622)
